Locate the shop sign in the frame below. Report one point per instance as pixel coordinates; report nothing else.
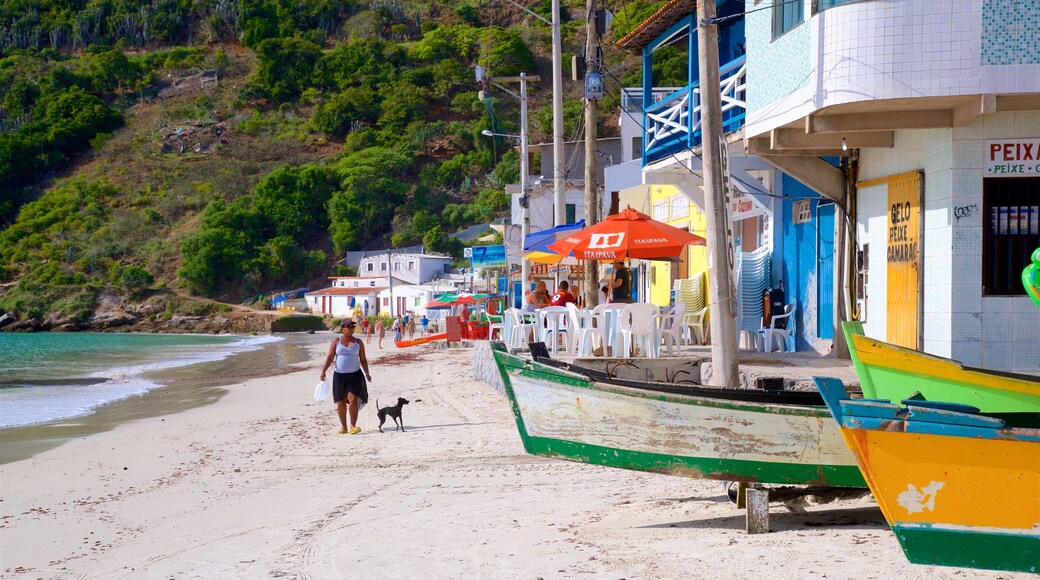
(1013, 158)
(744, 206)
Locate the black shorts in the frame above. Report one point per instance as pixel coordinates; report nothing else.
(343, 383)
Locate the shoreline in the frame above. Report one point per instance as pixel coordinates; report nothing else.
(259, 484)
(180, 388)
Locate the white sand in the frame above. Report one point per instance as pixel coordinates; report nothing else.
(260, 484)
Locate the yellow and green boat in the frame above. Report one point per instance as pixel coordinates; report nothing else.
(694, 431)
(891, 372)
(957, 488)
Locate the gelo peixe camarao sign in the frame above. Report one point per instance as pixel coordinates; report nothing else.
(1013, 158)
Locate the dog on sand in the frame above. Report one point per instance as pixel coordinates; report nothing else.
(392, 412)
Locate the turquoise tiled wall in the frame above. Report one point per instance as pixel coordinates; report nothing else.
(776, 68)
(1010, 32)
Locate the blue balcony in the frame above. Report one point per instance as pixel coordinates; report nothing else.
(673, 124)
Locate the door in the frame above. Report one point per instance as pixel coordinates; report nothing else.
(904, 259)
(825, 271)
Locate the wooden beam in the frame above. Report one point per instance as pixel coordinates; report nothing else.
(796, 139)
(818, 175)
(970, 112)
(880, 121)
(761, 147)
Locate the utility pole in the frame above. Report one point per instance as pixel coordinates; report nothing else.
(593, 65)
(390, 278)
(721, 295)
(559, 163)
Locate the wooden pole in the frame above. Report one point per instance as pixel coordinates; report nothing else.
(722, 305)
(591, 186)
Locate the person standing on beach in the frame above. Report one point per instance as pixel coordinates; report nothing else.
(367, 327)
(380, 330)
(398, 329)
(621, 283)
(348, 383)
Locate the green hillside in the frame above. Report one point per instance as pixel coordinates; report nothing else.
(156, 150)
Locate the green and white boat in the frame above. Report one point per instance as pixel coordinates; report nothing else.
(724, 434)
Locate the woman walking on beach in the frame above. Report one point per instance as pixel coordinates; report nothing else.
(380, 331)
(348, 382)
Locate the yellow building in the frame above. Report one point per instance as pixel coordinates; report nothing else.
(665, 203)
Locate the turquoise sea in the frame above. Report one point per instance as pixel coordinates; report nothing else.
(49, 376)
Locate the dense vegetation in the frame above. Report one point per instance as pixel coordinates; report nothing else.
(336, 125)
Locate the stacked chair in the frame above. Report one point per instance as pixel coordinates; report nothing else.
(753, 277)
(693, 294)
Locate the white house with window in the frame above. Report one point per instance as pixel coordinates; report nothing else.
(406, 268)
(411, 298)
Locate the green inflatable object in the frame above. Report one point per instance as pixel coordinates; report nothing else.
(1031, 278)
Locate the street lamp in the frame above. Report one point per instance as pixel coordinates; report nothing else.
(489, 133)
(525, 221)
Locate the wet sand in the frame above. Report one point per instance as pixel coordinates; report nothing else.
(183, 388)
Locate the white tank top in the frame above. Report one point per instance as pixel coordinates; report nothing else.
(347, 357)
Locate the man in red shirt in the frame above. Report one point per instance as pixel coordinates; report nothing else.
(562, 296)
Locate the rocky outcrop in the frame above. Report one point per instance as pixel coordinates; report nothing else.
(6, 319)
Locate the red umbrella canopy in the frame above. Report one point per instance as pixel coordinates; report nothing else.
(628, 234)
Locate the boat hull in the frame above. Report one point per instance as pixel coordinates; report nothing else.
(956, 492)
(891, 372)
(564, 415)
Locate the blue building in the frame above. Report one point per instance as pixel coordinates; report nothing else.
(783, 226)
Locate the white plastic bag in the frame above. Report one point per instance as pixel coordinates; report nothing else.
(322, 391)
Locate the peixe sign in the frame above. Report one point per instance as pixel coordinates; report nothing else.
(1013, 158)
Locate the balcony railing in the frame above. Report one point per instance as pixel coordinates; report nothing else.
(674, 123)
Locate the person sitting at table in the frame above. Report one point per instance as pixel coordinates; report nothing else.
(537, 299)
(563, 297)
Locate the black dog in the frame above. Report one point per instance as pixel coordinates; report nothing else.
(394, 412)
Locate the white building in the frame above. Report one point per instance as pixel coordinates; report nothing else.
(409, 298)
(406, 268)
(938, 103)
(345, 294)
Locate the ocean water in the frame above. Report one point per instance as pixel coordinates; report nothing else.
(49, 376)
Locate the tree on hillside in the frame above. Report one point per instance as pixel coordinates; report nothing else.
(285, 65)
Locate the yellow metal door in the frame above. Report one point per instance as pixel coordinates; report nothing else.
(904, 259)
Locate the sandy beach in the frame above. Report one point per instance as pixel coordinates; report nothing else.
(259, 484)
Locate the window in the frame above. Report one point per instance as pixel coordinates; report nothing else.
(417, 301)
(397, 266)
(372, 284)
(386, 302)
(370, 266)
(1010, 233)
(786, 15)
(821, 5)
(411, 264)
(382, 266)
(570, 212)
(802, 211)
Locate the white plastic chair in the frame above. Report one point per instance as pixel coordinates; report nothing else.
(522, 327)
(639, 323)
(693, 294)
(499, 326)
(780, 335)
(583, 330)
(672, 327)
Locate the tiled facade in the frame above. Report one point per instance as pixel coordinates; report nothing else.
(874, 50)
(1010, 32)
(958, 321)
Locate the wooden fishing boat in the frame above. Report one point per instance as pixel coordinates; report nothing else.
(958, 488)
(891, 372)
(664, 429)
